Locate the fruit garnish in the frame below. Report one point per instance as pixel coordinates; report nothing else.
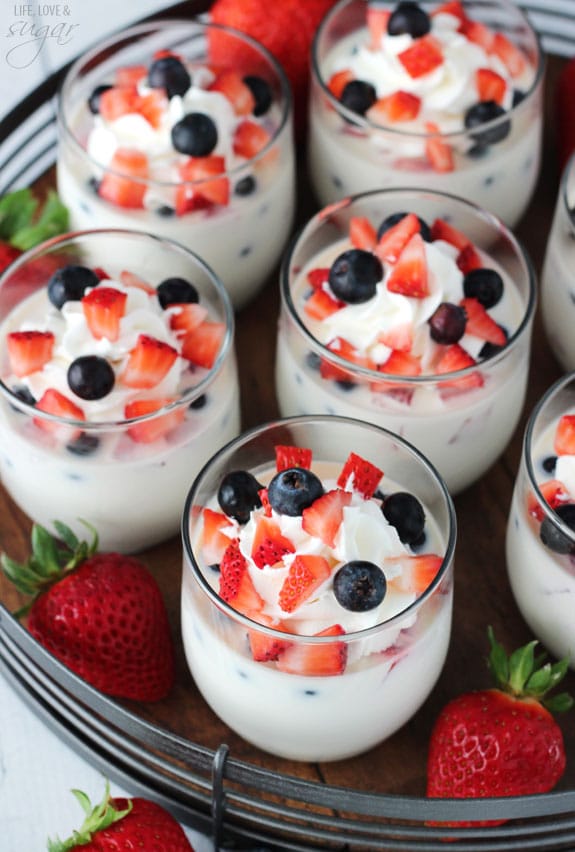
(399, 106)
(422, 57)
(150, 430)
(437, 151)
(236, 586)
(265, 648)
(490, 85)
(455, 358)
(480, 324)
(148, 362)
(394, 239)
(249, 139)
(323, 660)
(306, 574)
(553, 492)
(288, 456)
(269, 545)
(359, 475)
(409, 275)
(321, 305)
(28, 351)
(564, 440)
(362, 233)
(201, 345)
(323, 518)
(54, 402)
(511, 56)
(231, 84)
(125, 182)
(104, 308)
(417, 572)
(214, 541)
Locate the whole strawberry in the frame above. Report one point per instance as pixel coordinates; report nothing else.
(101, 614)
(117, 824)
(502, 741)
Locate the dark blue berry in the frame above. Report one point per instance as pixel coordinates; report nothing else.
(358, 96)
(170, 74)
(293, 490)
(447, 323)
(485, 285)
(353, 275)
(94, 99)
(199, 403)
(91, 377)
(245, 186)
(517, 97)
(69, 283)
(359, 585)
(550, 534)
(176, 291)
(195, 135)
(481, 113)
(85, 444)
(261, 90)
(238, 495)
(165, 211)
(394, 218)
(24, 394)
(549, 464)
(408, 18)
(404, 512)
(313, 361)
(488, 350)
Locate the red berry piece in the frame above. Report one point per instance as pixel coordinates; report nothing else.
(359, 475)
(28, 351)
(103, 309)
(306, 574)
(148, 362)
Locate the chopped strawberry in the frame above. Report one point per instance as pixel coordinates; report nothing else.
(321, 305)
(511, 55)
(153, 107)
(316, 660)
(442, 230)
(130, 75)
(265, 648)
(187, 316)
(249, 139)
(100, 273)
(402, 364)
(477, 33)
(118, 101)
(338, 81)
(323, 518)
(8, 254)
(469, 259)
(318, 277)
(490, 85)
(265, 501)
(269, 546)
(377, 20)
(417, 572)
(409, 275)
(306, 574)
(399, 106)
(130, 279)
(360, 475)
(481, 324)
(422, 57)
(342, 347)
(394, 239)
(437, 151)
(214, 541)
(455, 358)
(28, 351)
(103, 309)
(288, 456)
(54, 402)
(202, 344)
(564, 441)
(239, 94)
(553, 492)
(399, 337)
(125, 183)
(155, 428)
(362, 233)
(236, 586)
(204, 178)
(148, 362)
(452, 7)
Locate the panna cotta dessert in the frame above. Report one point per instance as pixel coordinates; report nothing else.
(160, 131)
(317, 585)
(446, 97)
(411, 310)
(540, 543)
(558, 275)
(116, 382)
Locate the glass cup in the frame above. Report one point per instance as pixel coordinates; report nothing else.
(391, 665)
(461, 421)
(495, 163)
(540, 541)
(234, 205)
(120, 457)
(558, 276)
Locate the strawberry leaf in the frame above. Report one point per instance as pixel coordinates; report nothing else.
(559, 703)
(53, 220)
(98, 818)
(16, 212)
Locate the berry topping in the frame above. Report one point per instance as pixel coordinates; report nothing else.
(399, 106)
(236, 586)
(359, 585)
(404, 512)
(353, 275)
(323, 660)
(103, 309)
(69, 283)
(90, 377)
(249, 139)
(323, 518)
(422, 57)
(148, 362)
(447, 323)
(125, 183)
(481, 113)
(359, 475)
(394, 218)
(409, 275)
(550, 534)
(28, 351)
(358, 96)
(95, 97)
(261, 91)
(176, 291)
(480, 324)
(485, 285)
(306, 574)
(170, 74)
(320, 305)
(214, 541)
(204, 182)
(195, 134)
(54, 402)
(408, 18)
(417, 572)
(455, 358)
(490, 85)
(362, 234)
(238, 494)
(236, 90)
(188, 316)
(564, 440)
(202, 344)
(293, 490)
(266, 648)
(288, 456)
(150, 430)
(269, 545)
(395, 236)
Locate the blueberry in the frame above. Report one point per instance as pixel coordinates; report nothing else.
(447, 323)
(238, 495)
(84, 445)
(551, 535)
(358, 96)
(176, 291)
(24, 394)
(517, 97)
(245, 186)
(69, 283)
(165, 211)
(408, 18)
(485, 285)
(313, 361)
(354, 274)
(195, 135)
(394, 218)
(488, 350)
(549, 464)
(293, 490)
(404, 512)
(261, 91)
(359, 585)
(170, 74)
(479, 114)
(199, 402)
(94, 99)
(91, 377)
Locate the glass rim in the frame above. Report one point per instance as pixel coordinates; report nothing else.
(178, 25)
(185, 397)
(365, 123)
(367, 373)
(329, 420)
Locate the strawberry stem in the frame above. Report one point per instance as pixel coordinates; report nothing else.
(97, 819)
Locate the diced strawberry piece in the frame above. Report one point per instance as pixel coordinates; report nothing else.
(377, 20)
(265, 648)
(202, 344)
(422, 57)
(54, 402)
(269, 546)
(553, 492)
(455, 358)
(103, 309)
(118, 101)
(288, 456)
(100, 273)
(346, 350)
(338, 81)
(236, 586)
(155, 428)
(130, 279)
(409, 275)
(477, 33)
(306, 574)
(360, 475)
(323, 518)
(481, 324)
(239, 94)
(321, 305)
(187, 317)
(452, 7)
(564, 441)
(362, 233)
(214, 541)
(442, 230)
(490, 85)
(399, 106)
(125, 184)
(511, 55)
(249, 139)
(417, 572)
(316, 660)
(469, 259)
(203, 177)
(402, 364)
(153, 107)
(318, 277)
(28, 351)
(130, 75)
(394, 240)
(265, 501)
(437, 151)
(148, 362)
(398, 338)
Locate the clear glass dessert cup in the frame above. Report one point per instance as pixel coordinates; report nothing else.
(494, 165)
(558, 275)
(540, 544)
(391, 667)
(126, 475)
(237, 220)
(462, 432)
